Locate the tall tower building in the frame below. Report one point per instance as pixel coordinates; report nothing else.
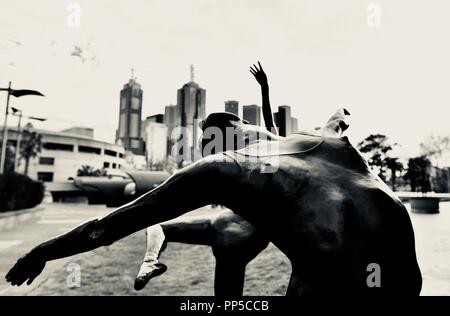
(252, 113)
(294, 125)
(284, 121)
(191, 108)
(171, 118)
(129, 132)
(232, 107)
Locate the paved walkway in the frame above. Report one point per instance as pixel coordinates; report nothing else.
(55, 219)
(432, 233)
(432, 241)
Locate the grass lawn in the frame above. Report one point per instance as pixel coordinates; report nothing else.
(111, 271)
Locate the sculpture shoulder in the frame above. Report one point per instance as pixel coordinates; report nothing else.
(213, 164)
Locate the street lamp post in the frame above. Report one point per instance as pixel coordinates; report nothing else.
(17, 94)
(5, 132)
(19, 138)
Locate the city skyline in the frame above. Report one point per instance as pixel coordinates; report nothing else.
(306, 51)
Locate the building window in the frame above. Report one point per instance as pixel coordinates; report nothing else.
(114, 165)
(58, 146)
(45, 176)
(106, 165)
(89, 150)
(120, 155)
(135, 103)
(47, 161)
(111, 153)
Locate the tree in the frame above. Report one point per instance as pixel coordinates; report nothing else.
(89, 171)
(376, 147)
(419, 174)
(9, 158)
(30, 147)
(435, 146)
(394, 165)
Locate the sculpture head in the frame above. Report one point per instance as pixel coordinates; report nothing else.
(216, 127)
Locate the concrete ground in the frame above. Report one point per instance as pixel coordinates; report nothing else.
(111, 270)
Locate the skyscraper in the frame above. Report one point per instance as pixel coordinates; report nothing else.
(129, 132)
(171, 120)
(252, 113)
(157, 118)
(191, 109)
(155, 136)
(171, 117)
(284, 121)
(232, 107)
(294, 124)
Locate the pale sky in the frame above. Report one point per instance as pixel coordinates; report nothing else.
(319, 55)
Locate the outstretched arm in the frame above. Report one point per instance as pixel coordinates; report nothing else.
(208, 181)
(261, 77)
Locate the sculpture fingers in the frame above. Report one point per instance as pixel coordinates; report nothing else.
(260, 67)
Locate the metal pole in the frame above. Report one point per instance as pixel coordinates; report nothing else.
(5, 133)
(19, 138)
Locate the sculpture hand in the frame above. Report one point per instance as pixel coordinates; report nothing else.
(28, 267)
(259, 74)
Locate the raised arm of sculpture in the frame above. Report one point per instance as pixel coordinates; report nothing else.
(261, 77)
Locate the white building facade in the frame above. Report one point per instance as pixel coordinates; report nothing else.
(156, 135)
(63, 153)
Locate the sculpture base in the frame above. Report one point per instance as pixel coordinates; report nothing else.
(425, 205)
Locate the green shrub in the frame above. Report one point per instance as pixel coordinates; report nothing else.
(18, 191)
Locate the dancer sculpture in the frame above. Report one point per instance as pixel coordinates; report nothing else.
(234, 241)
(321, 206)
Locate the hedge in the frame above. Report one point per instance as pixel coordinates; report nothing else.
(18, 191)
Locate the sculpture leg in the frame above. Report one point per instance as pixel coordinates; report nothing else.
(237, 243)
(234, 242)
(194, 230)
(150, 266)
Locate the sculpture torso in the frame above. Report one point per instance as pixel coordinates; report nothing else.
(328, 213)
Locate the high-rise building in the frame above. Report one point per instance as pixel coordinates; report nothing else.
(252, 113)
(171, 120)
(191, 104)
(191, 109)
(129, 132)
(232, 107)
(156, 144)
(171, 117)
(157, 118)
(294, 124)
(284, 121)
